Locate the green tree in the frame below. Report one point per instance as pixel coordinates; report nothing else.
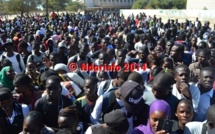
(21, 6)
(75, 6)
(139, 4)
(56, 4)
(167, 4)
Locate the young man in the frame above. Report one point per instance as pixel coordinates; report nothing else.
(182, 89)
(86, 103)
(53, 102)
(202, 56)
(207, 77)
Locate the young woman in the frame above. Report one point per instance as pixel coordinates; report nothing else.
(159, 109)
(6, 77)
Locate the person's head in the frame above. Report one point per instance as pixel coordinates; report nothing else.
(116, 121)
(152, 59)
(54, 58)
(103, 58)
(210, 116)
(62, 47)
(202, 45)
(207, 76)
(68, 118)
(168, 46)
(94, 47)
(161, 85)
(167, 63)
(159, 110)
(22, 46)
(36, 47)
(46, 61)
(22, 83)
(33, 123)
(202, 56)
(135, 76)
(53, 87)
(193, 41)
(121, 54)
(117, 43)
(104, 44)
(6, 100)
(184, 111)
(131, 96)
(6, 62)
(90, 88)
(212, 57)
(182, 74)
(7, 73)
(155, 71)
(143, 53)
(8, 47)
(177, 51)
(84, 49)
(31, 67)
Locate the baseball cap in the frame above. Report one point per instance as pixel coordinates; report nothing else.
(132, 96)
(61, 44)
(116, 119)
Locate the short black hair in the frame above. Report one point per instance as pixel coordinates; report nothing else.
(92, 78)
(123, 75)
(5, 94)
(35, 117)
(135, 76)
(47, 73)
(55, 78)
(206, 52)
(22, 79)
(211, 114)
(211, 69)
(181, 66)
(164, 79)
(23, 44)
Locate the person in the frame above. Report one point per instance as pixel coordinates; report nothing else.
(54, 58)
(182, 89)
(161, 90)
(61, 51)
(50, 104)
(86, 103)
(202, 127)
(184, 114)
(115, 122)
(202, 56)
(159, 109)
(33, 124)
(167, 63)
(23, 49)
(15, 58)
(128, 98)
(205, 84)
(3, 122)
(6, 77)
(24, 91)
(68, 119)
(32, 72)
(14, 112)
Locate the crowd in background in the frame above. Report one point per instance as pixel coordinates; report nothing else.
(166, 72)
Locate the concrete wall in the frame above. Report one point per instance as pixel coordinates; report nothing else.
(181, 15)
(201, 4)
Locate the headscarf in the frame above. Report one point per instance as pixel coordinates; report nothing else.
(158, 105)
(5, 81)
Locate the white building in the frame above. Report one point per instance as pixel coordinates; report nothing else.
(201, 4)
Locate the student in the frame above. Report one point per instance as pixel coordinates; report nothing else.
(33, 124)
(86, 103)
(182, 89)
(205, 85)
(184, 114)
(122, 98)
(50, 104)
(68, 119)
(14, 112)
(159, 109)
(6, 77)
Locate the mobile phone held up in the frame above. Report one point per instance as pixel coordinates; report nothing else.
(165, 125)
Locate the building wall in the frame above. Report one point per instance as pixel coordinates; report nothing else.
(201, 4)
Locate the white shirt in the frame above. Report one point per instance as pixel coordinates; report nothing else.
(101, 87)
(195, 94)
(138, 46)
(97, 112)
(193, 127)
(25, 111)
(204, 104)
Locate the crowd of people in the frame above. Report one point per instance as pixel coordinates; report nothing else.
(164, 83)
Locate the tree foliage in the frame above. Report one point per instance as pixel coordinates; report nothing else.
(160, 4)
(56, 4)
(75, 6)
(20, 6)
(139, 4)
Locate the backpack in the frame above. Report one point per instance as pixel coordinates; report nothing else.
(18, 60)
